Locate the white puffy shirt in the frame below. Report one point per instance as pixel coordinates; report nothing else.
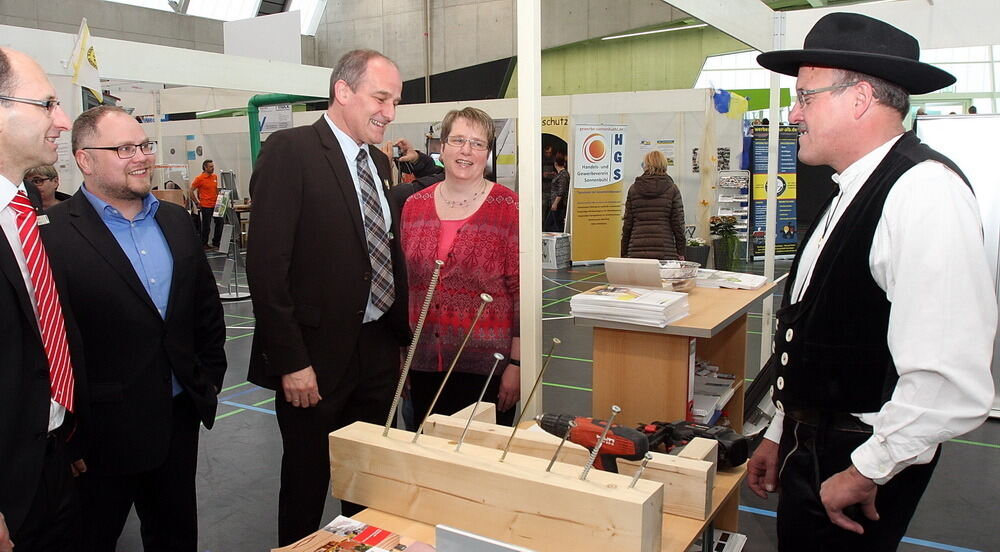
(929, 258)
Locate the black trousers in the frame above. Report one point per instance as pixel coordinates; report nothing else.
(554, 221)
(462, 390)
(365, 394)
(164, 497)
(206, 224)
(53, 521)
(808, 456)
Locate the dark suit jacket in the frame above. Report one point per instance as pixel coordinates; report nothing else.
(130, 349)
(308, 264)
(24, 385)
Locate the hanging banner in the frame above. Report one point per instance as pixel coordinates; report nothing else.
(598, 170)
(786, 237)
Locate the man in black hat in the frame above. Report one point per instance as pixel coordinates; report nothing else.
(885, 334)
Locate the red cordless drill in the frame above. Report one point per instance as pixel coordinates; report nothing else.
(621, 442)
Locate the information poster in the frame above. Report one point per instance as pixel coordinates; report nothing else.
(786, 237)
(599, 167)
(275, 117)
(666, 146)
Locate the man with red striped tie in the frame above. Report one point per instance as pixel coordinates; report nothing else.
(39, 508)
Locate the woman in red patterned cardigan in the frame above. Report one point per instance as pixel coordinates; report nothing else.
(470, 224)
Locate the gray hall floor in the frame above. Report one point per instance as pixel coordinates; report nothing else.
(239, 458)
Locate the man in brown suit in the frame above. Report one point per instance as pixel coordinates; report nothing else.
(328, 280)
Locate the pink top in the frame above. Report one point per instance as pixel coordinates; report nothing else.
(449, 229)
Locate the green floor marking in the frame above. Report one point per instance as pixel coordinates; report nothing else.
(230, 413)
(564, 386)
(547, 305)
(243, 317)
(572, 358)
(573, 282)
(231, 387)
(976, 443)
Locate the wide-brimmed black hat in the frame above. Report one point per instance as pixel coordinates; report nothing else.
(860, 43)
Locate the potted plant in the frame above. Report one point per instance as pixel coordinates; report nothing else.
(723, 231)
(697, 251)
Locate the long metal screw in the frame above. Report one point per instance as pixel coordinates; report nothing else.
(524, 407)
(615, 409)
(472, 414)
(569, 429)
(413, 345)
(642, 468)
(486, 299)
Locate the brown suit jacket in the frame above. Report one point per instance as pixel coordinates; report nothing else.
(307, 264)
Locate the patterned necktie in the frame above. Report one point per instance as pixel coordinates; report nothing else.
(50, 316)
(383, 292)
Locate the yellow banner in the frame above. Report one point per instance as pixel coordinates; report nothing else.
(598, 168)
(557, 126)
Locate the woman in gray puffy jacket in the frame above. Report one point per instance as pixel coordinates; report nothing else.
(653, 226)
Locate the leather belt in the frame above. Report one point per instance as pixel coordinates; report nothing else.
(840, 421)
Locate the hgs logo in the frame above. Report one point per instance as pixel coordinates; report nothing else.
(618, 139)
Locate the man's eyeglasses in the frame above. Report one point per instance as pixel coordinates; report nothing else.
(459, 141)
(127, 151)
(39, 179)
(802, 96)
(50, 105)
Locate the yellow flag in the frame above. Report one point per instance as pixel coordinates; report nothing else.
(737, 106)
(83, 62)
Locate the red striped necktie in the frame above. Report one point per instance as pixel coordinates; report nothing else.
(50, 316)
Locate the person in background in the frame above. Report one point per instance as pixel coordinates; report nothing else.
(420, 165)
(885, 333)
(548, 173)
(471, 224)
(653, 224)
(973, 110)
(555, 219)
(46, 179)
(204, 193)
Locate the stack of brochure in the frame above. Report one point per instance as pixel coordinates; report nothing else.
(708, 278)
(712, 392)
(632, 305)
(346, 534)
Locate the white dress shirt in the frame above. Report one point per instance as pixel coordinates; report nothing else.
(350, 149)
(928, 256)
(9, 224)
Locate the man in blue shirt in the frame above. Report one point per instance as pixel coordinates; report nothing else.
(153, 335)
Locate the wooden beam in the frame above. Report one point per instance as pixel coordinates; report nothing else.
(688, 481)
(515, 501)
(748, 21)
(486, 413)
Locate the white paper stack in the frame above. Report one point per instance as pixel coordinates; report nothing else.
(632, 305)
(708, 278)
(711, 394)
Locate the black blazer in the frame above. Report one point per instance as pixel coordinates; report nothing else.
(307, 263)
(24, 385)
(130, 350)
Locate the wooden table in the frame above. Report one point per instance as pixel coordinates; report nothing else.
(645, 370)
(679, 532)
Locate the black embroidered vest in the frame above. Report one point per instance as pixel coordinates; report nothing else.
(830, 350)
